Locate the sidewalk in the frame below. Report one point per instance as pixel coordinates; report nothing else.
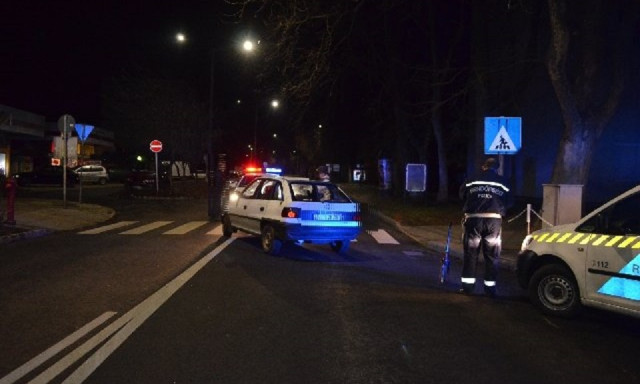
(38, 217)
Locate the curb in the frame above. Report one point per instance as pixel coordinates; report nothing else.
(27, 234)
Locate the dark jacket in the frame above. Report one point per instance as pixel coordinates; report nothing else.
(485, 193)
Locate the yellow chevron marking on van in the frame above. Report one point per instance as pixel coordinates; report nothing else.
(575, 238)
(627, 241)
(542, 237)
(564, 237)
(600, 240)
(613, 241)
(587, 239)
(552, 237)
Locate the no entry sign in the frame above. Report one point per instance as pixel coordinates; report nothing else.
(155, 146)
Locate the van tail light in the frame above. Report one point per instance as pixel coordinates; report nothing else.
(291, 213)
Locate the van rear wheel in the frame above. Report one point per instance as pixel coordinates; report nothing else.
(554, 290)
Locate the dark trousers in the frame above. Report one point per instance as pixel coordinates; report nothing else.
(485, 234)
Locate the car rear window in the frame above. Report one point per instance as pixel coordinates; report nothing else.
(317, 191)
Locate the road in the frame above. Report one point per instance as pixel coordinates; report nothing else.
(170, 306)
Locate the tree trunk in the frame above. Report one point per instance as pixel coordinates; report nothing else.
(584, 118)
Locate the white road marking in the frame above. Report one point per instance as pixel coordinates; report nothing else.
(383, 237)
(413, 253)
(217, 231)
(146, 228)
(34, 363)
(117, 332)
(184, 228)
(106, 228)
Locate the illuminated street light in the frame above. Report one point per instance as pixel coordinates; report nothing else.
(248, 45)
(212, 201)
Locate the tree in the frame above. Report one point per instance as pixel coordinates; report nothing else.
(393, 68)
(587, 75)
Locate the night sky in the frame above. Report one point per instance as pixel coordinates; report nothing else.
(56, 54)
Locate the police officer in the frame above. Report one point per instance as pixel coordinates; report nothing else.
(485, 199)
(323, 173)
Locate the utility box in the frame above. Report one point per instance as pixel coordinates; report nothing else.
(561, 203)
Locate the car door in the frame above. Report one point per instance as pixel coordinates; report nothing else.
(261, 207)
(243, 215)
(613, 254)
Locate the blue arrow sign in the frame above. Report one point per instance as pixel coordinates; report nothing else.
(83, 131)
(502, 135)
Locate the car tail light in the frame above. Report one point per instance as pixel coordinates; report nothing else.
(291, 213)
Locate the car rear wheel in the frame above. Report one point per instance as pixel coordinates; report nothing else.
(227, 229)
(270, 244)
(554, 290)
(340, 246)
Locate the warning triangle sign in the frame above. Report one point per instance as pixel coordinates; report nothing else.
(503, 142)
(628, 288)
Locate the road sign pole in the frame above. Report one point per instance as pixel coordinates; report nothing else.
(157, 180)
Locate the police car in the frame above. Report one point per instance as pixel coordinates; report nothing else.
(594, 262)
(235, 185)
(283, 209)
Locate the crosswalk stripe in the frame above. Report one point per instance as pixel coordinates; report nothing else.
(383, 237)
(184, 228)
(146, 228)
(217, 231)
(105, 228)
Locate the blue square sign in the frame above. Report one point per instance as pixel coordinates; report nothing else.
(502, 135)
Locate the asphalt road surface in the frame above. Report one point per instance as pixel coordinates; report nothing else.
(157, 295)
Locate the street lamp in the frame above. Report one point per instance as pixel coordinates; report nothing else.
(212, 207)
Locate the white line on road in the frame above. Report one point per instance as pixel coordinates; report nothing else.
(139, 314)
(383, 237)
(34, 363)
(146, 228)
(184, 228)
(105, 228)
(217, 231)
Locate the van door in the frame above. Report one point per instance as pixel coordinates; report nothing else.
(613, 254)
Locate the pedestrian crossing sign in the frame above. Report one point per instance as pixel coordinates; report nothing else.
(502, 135)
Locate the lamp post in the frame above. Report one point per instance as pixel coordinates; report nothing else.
(274, 105)
(213, 183)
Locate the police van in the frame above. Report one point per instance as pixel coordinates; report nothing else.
(594, 262)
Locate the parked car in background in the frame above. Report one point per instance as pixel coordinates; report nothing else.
(92, 174)
(46, 176)
(141, 180)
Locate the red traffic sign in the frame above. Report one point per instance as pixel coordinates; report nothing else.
(155, 146)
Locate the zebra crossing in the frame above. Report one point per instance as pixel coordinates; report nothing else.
(133, 228)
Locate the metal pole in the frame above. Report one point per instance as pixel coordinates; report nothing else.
(157, 178)
(528, 219)
(80, 163)
(65, 134)
(255, 135)
(210, 168)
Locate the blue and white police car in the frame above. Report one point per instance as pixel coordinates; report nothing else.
(594, 262)
(283, 209)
